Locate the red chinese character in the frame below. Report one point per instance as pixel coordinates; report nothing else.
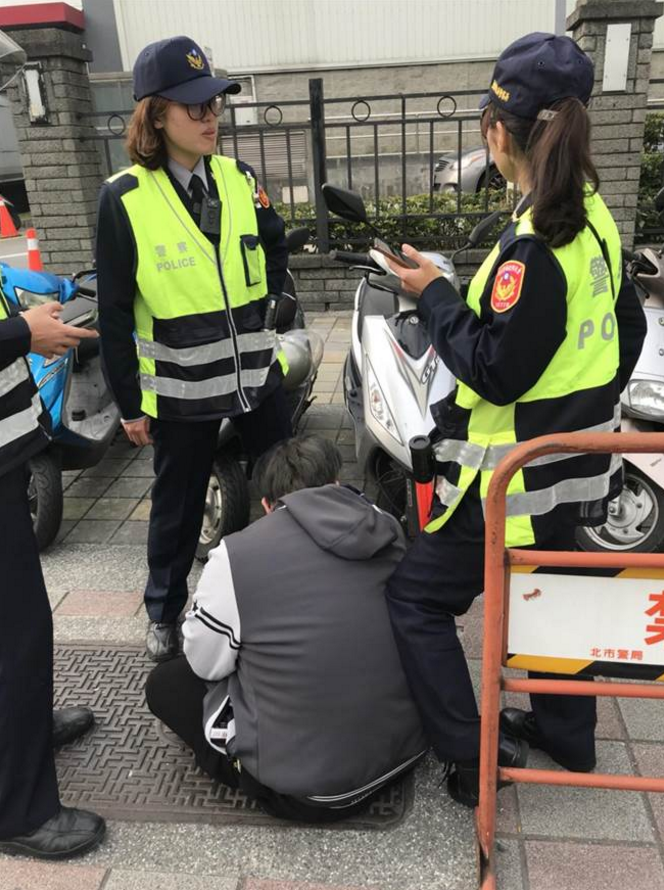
(623, 653)
(595, 653)
(657, 631)
(609, 653)
(637, 656)
(658, 600)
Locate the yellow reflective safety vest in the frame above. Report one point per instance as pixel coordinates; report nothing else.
(580, 383)
(21, 433)
(198, 309)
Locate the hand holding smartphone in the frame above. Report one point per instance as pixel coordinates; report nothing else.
(395, 255)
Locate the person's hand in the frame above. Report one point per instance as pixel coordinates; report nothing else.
(138, 431)
(415, 280)
(48, 335)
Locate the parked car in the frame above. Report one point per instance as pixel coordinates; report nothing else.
(471, 172)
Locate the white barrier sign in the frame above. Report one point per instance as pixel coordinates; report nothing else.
(586, 618)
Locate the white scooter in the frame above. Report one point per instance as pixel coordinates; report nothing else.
(392, 373)
(636, 517)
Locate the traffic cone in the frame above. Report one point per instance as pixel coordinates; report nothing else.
(7, 227)
(34, 257)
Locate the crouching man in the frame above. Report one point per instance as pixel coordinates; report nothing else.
(291, 687)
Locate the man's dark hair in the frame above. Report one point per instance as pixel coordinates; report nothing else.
(301, 462)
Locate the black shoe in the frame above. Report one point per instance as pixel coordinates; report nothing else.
(464, 783)
(69, 833)
(70, 723)
(522, 725)
(162, 641)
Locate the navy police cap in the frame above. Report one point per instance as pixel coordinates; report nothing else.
(177, 69)
(537, 70)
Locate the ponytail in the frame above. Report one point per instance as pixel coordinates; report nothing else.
(557, 151)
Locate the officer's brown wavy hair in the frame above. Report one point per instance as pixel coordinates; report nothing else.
(145, 143)
(557, 152)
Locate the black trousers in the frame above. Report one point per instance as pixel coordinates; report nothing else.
(183, 456)
(175, 696)
(439, 578)
(28, 784)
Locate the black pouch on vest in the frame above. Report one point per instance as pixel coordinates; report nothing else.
(251, 259)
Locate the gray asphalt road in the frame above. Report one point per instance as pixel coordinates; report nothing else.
(14, 251)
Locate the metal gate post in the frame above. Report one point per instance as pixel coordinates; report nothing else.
(497, 568)
(318, 149)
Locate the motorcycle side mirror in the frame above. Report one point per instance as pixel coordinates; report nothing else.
(297, 238)
(484, 228)
(659, 201)
(346, 204)
(285, 312)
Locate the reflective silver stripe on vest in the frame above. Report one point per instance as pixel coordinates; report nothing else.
(209, 352)
(466, 453)
(477, 457)
(20, 424)
(569, 491)
(16, 373)
(202, 389)
(447, 493)
(495, 453)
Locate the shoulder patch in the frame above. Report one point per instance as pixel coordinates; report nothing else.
(507, 286)
(263, 199)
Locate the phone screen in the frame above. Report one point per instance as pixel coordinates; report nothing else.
(397, 256)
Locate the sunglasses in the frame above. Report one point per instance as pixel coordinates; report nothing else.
(216, 105)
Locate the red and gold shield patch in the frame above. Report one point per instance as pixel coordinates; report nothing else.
(263, 198)
(507, 286)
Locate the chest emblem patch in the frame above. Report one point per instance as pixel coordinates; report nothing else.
(507, 286)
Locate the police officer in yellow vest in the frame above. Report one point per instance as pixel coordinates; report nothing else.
(32, 821)
(546, 340)
(188, 248)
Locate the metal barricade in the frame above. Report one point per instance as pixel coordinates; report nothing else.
(500, 563)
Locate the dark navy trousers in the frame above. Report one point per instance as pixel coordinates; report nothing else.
(28, 784)
(183, 456)
(438, 579)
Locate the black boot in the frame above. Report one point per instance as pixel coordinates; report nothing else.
(69, 833)
(70, 724)
(464, 783)
(522, 725)
(162, 641)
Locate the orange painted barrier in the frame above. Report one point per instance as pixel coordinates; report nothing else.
(499, 564)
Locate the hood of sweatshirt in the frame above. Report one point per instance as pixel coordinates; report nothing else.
(342, 521)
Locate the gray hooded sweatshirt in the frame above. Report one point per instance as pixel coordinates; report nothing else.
(290, 618)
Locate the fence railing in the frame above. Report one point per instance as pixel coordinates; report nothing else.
(417, 159)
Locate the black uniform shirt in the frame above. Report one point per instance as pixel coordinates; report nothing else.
(116, 280)
(501, 355)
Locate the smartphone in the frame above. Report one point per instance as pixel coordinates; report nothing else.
(395, 255)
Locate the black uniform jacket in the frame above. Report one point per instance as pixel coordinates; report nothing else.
(116, 268)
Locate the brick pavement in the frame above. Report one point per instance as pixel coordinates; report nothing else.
(548, 838)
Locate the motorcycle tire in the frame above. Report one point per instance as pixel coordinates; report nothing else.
(638, 527)
(45, 498)
(226, 504)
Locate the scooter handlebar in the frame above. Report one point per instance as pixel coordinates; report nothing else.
(353, 259)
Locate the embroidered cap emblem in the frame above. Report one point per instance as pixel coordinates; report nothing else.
(195, 60)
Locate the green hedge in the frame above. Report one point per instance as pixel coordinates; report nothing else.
(651, 176)
(445, 231)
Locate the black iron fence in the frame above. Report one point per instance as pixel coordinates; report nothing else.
(417, 159)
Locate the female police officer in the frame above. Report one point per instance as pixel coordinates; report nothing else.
(547, 338)
(188, 247)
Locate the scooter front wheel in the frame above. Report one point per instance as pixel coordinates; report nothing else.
(226, 504)
(45, 498)
(635, 522)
